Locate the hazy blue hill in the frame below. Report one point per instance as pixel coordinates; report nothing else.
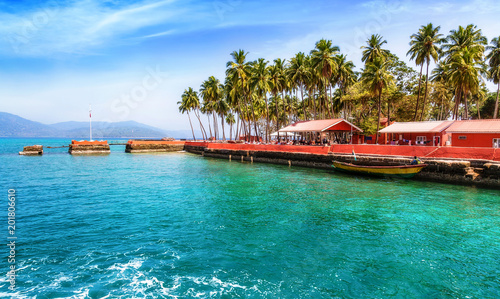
(15, 126)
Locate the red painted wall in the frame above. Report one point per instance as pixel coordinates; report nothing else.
(419, 151)
(154, 142)
(85, 142)
(382, 150)
(476, 140)
(272, 148)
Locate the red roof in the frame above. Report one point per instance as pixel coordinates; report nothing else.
(337, 124)
(475, 126)
(417, 127)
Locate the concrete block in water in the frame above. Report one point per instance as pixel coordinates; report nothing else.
(32, 150)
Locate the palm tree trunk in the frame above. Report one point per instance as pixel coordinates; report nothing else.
(209, 128)
(202, 128)
(267, 120)
(277, 116)
(379, 111)
(418, 97)
(284, 105)
(192, 131)
(223, 133)
(466, 106)
(425, 94)
(236, 137)
(216, 126)
(495, 113)
(253, 115)
(303, 104)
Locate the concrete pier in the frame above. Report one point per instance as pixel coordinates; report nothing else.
(33, 150)
(89, 147)
(153, 146)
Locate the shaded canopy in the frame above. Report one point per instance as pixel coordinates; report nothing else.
(417, 127)
(322, 125)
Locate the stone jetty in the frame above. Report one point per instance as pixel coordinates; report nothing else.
(32, 150)
(153, 146)
(88, 147)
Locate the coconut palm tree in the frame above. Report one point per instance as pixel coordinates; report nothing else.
(345, 77)
(239, 72)
(469, 37)
(377, 77)
(212, 92)
(374, 49)
(188, 102)
(277, 85)
(494, 70)
(424, 46)
(261, 84)
(299, 74)
(324, 63)
(464, 72)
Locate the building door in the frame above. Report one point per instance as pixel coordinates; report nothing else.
(437, 141)
(496, 142)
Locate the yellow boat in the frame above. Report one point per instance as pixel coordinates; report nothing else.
(402, 171)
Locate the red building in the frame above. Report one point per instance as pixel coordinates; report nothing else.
(333, 130)
(475, 133)
(424, 133)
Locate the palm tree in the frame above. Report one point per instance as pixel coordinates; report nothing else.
(464, 71)
(373, 49)
(324, 62)
(239, 72)
(494, 70)
(377, 77)
(469, 37)
(189, 101)
(345, 77)
(424, 46)
(212, 92)
(276, 84)
(299, 74)
(230, 121)
(260, 83)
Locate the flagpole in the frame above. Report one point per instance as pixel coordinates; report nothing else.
(90, 120)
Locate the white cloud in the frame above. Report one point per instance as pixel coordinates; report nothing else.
(80, 27)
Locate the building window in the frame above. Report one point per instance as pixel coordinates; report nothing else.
(496, 142)
(462, 137)
(421, 139)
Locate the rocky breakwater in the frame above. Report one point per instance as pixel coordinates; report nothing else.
(154, 146)
(32, 150)
(88, 147)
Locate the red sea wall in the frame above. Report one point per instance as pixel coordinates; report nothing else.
(465, 153)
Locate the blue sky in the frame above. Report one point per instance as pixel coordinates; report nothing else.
(133, 59)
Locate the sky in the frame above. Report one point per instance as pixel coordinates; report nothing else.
(132, 60)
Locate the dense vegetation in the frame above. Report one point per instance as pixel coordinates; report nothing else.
(258, 97)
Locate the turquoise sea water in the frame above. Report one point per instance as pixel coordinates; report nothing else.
(178, 225)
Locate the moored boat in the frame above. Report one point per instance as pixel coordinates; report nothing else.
(402, 171)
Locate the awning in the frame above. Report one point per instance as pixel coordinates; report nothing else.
(321, 125)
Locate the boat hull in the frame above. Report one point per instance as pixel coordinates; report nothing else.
(403, 171)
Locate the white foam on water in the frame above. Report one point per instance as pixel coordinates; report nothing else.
(57, 281)
(133, 264)
(82, 293)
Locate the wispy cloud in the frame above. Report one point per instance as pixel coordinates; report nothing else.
(81, 27)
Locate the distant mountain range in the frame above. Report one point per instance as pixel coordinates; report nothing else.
(15, 126)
